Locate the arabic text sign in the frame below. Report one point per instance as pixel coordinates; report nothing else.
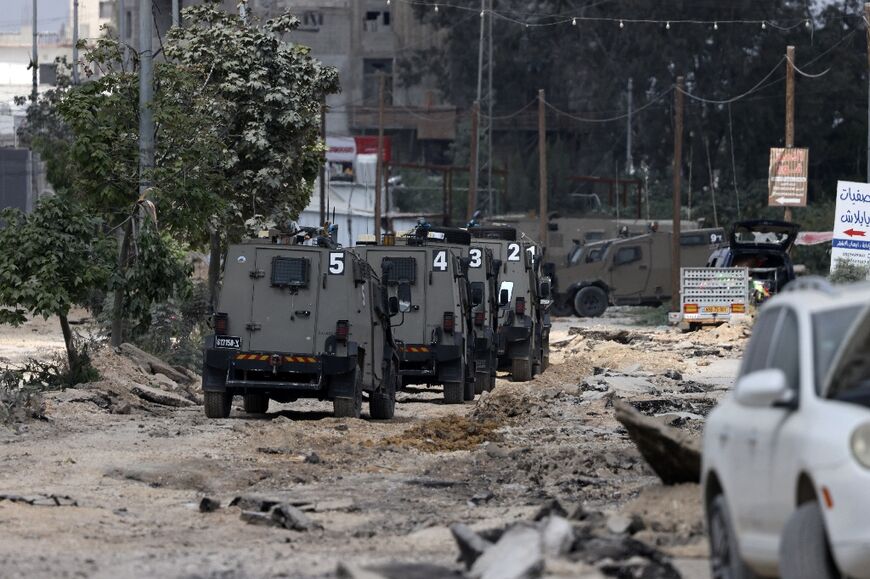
(787, 177)
(851, 224)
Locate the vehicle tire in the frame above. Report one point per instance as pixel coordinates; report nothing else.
(343, 407)
(218, 404)
(590, 302)
(725, 561)
(256, 403)
(521, 370)
(561, 308)
(454, 392)
(382, 405)
(481, 382)
(803, 551)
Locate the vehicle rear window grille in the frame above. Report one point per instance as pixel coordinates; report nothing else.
(289, 272)
(396, 270)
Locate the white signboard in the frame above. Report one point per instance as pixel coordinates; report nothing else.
(851, 240)
(340, 149)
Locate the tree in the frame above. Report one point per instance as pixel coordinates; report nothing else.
(49, 262)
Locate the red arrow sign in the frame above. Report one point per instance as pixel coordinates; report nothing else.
(854, 233)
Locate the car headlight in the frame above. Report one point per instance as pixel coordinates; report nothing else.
(861, 444)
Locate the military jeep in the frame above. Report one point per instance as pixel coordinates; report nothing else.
(300, 321)
(483, 273)
(523, 299)
(425, 272)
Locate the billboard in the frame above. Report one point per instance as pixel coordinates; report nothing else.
(851, 242)
(787, 177)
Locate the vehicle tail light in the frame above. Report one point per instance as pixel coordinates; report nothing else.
(521, 306)
(738, 308)
(449, 322)
(479, 318)
(342, 329)
(221, 324)
(690, 308)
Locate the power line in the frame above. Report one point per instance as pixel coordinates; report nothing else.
(653, 101)
(738, 97)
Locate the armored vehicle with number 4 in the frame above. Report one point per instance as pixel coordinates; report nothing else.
(426, 274)
(523, 301)
(300, 321)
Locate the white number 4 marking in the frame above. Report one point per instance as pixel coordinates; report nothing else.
(439, 260)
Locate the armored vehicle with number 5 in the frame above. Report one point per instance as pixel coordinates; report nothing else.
(425, 273)
(300, 321)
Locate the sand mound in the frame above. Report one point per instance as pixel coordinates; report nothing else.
(446, 434)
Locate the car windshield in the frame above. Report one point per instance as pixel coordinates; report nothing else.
(830, 329)
(576, 255)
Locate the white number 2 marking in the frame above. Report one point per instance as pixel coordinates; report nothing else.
(513, 252)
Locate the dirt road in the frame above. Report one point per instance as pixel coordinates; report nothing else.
(375, 492)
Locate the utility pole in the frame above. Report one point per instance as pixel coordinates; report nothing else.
(472, 167)
(34, 59)
(867, 27)
(323, 175)
(379, 168)
(123, 33)
(678, 157)
(489, 100)
(146, 91)
(176, 14)
(75, 54)
(542, 167)
(629, 163)
(789, 108)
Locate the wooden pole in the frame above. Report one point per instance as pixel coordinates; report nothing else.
(472, 167)
(678, 157)
(789, 108)
(379, 168)
(449, 195)
(542, 167)
(323, 172)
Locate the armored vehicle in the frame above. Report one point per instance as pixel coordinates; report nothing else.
(483, 273)
(426, 273)
(523, 298)
(629, 271)
(300, 321)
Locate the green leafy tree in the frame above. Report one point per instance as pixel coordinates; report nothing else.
(49, 262)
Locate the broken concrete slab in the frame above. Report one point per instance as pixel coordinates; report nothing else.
(471, 545)
(292, 518)
(620, 524)
(152, 364)
(557, 537)
(672, 454)
(518, 554)
(161, 397)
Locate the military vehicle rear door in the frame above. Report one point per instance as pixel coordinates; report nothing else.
(411, 267)
(629, 265)
(284, 300)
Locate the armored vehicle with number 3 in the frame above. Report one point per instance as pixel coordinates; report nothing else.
(483, 272)
(425, 272)
(300, 321)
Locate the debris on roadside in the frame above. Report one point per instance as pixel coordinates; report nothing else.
(40, 500)
(445, 434)
(209, 505)
(281, 515)
(672, 454)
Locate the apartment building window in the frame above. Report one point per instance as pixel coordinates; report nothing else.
(376, 20)
(372, 69)
(107, 9)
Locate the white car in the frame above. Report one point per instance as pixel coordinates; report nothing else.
(786, 460)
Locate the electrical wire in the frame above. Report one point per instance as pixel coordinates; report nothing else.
(511, 115)
(738, 97)
(650, 103)
(806, 74)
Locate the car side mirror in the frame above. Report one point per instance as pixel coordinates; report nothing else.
(394, 305)
(504, 297)
(404, 297)
(476, 296)
(763, 389)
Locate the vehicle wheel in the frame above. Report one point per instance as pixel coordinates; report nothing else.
(218, 404)
(343, 407)
(725, 561)
(521, 370)
(561, 309)
(256, 403)
(590, 302)
(804, 552)
(382, 405)
(470, 387)
(454, 392)
(481, 382)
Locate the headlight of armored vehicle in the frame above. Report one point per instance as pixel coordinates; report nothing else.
(861, 444)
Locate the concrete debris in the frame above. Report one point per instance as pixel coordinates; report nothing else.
(281, 515)
(471, 545)
(395, 570)
(161, 397)
(517, 555)
(40, 500)
(557, 537)
(674, 375)
(265, 503)
(480, 498)
(625, 524)
(151, 363)
(209, 505)
(351, 571)
(673, 455)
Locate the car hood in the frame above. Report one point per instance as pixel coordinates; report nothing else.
(764, 234)
(850, 369)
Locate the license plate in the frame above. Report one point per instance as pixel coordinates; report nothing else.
(715, 309)
(228, 342)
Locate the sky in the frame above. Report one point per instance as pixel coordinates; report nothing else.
(51, 13)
